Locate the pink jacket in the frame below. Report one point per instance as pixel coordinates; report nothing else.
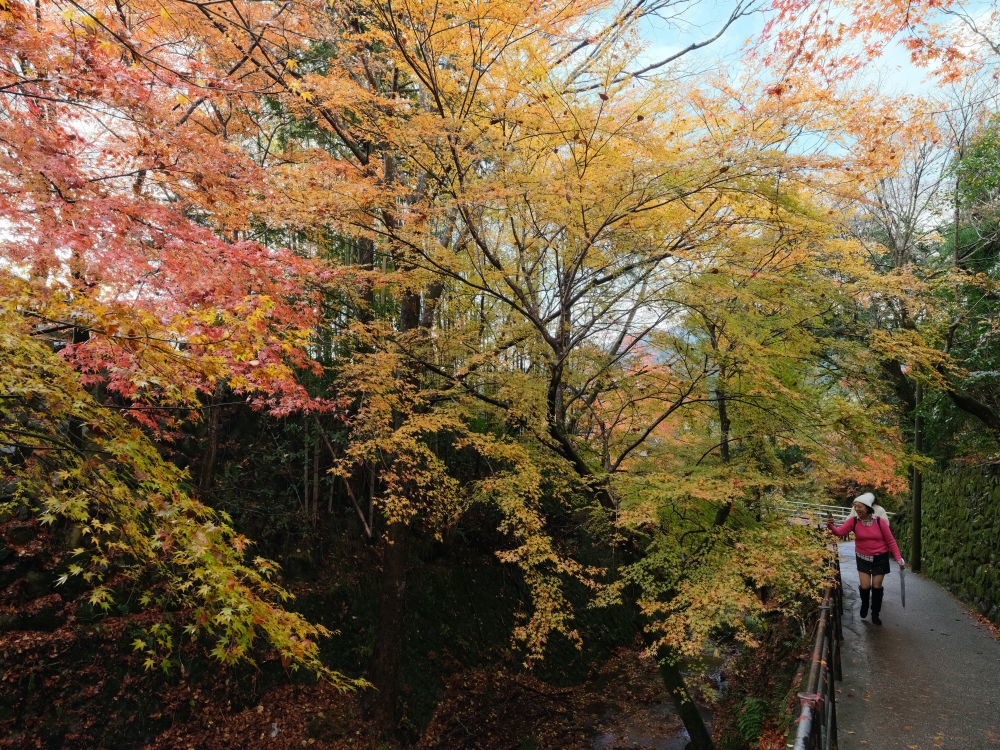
(869, 540)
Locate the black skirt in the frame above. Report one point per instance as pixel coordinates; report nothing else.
(877, 567)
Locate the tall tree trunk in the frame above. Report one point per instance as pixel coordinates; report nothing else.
(366, 260)
(720, 396)
(212, 444)
(315, 481)
(686, 708)
(724, 425)
(305, 465)
(957, 215)
(395, 554)
(673, 680)
(431, 298)
(389, 639)
(371, 503)
(917, 483)
(80, 335)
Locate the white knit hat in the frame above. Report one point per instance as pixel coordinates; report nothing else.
(866, 499)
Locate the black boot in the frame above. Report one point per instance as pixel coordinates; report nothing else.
(865, 596)
(877, 605)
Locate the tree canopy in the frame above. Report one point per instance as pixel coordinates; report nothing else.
(491, 259)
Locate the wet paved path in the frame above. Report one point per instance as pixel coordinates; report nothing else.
(929, 677)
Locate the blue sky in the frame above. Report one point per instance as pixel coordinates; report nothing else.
(893, 72)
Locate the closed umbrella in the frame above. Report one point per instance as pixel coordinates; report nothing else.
(902, 584)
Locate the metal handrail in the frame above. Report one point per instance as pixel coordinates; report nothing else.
(839, 512)
(816, 728)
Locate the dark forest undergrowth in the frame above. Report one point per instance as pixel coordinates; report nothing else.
(71, 678)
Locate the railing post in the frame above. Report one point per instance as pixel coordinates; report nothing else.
(840, 585)
(831, 698)
(839, 640)
(817, 724)
(834, 745)
(838, 670)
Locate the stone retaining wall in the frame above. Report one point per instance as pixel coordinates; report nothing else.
(961, 533)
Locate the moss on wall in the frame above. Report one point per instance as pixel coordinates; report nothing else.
(961, 533)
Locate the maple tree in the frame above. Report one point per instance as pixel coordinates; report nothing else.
(934, 296)
(130, 218)
(548, 257)
(837, 40)
(125, 248)
(917, 297)
(133, 513)
(612, 293)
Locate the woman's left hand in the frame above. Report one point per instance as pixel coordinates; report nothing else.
(902, 565)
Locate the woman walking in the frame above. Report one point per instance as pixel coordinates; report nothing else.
(873, 543)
